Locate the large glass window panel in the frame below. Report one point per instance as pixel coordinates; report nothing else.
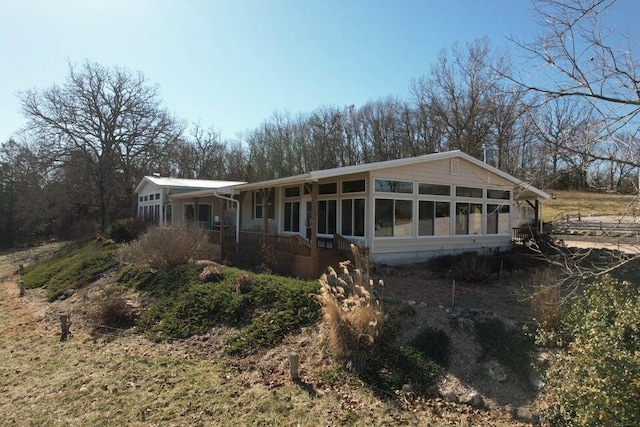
(492, 219)
(384, 217)
(475, 218)
(443, 218)
(498, 219)
(329, 188)
(353, 217)
(356, 186)
(326, 216)
(504, 220)
(389, 186)
(358, 217)
(403, 223)
(292, 192)
(498, 194)
(322, 217)
(331, 216)
(426, 215)
(204, 216)
(435, 189)
(469, 192)
(462, 218)
(292, 216)
(347, 217)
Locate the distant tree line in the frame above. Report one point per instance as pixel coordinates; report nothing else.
(89, 140)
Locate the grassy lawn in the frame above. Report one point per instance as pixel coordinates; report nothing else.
(587, 203)
(126, 378)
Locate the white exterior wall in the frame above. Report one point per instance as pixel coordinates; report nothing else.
(411, 247)
(148, 198)
(414, 248)
(247, 220)
(214, 203)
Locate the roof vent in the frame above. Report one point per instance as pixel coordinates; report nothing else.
(156, 174)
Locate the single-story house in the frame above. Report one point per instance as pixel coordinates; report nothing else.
(401, 211)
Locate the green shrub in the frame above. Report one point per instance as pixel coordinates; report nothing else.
(127, 230)
(418, 370)
(434, 344)
(72, 267)
(183, 305)
(512, 348)
(597, 381)
(394, 367)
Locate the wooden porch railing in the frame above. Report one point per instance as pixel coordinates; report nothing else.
(291, 244)
(214, 236)
(341, 243)
(300, 246)
(523, 234)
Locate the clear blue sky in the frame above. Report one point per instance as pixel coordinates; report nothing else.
(232, 63)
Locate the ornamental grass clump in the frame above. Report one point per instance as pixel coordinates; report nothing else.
(351, 311)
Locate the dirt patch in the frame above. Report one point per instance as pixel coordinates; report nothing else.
(436, 308)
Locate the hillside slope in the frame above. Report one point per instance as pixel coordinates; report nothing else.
(124, 379)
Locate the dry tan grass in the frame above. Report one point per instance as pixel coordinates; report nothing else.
(588, 203)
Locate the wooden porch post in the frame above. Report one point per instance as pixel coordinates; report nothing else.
(266, 201)
(536, 217)
(241, 198)
(315, 258)
(223, 205)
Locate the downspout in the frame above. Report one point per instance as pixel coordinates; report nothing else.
(540, 222)
(237, 202)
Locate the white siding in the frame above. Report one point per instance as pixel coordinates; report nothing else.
(401, 249)
(439, 172)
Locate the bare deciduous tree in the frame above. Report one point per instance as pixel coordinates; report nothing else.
(581, 54)
(110, 118)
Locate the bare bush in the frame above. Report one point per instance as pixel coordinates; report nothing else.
(165, 248)
(474, 267)
(113, 311)
(351, 310)
(546, 304)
